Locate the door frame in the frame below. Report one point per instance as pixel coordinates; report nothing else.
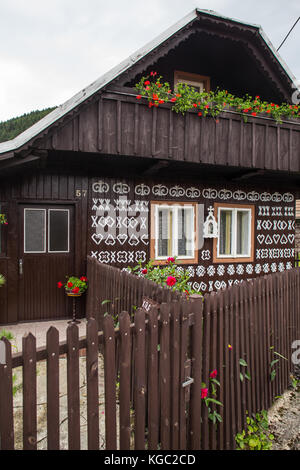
(36, 203)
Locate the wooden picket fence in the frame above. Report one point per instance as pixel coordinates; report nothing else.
(154, 369)
(114, 291)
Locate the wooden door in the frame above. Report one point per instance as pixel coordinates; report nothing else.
(46, 256)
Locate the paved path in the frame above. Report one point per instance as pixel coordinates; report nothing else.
(39, 330)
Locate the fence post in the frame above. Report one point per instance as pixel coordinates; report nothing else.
(6, 400)
(195, 403)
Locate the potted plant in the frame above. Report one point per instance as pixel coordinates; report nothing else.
(3, 219)
(74, 286)
(2, 280)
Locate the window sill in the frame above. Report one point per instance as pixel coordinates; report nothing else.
(163, 262)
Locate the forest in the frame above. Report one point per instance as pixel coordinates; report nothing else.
(12, 127)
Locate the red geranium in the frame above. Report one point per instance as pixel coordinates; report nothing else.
(213, 374)
(59, 285)
(144, 271)
(83, 278)
(204, 392)
(171, 260)
(70, 284)
(171, 281)
(75, 290)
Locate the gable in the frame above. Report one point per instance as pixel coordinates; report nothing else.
(236, 55)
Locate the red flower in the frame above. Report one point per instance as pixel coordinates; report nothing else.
(195, 105)
(171, 260)
(155, 97)
(59, 285)
(254, 113)
(171, 281)
(153, 74)
(144, 271)
(200, 114)
(147, 82)
(213, 374)
(70, 284)
(139, 97)
(161, 101)
(75, 290)
(204, 392)
(257, 97)
(206, 106)
(173, 99)
(83, 278)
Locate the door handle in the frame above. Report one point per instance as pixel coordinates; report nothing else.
(20, 266)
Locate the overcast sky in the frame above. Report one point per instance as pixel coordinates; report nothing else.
(51, 49)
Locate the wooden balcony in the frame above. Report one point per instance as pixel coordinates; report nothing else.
(116, 124)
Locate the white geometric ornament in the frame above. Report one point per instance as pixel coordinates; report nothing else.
(210, 226)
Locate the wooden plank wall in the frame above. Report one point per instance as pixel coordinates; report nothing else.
(116, 124)
(45, 188)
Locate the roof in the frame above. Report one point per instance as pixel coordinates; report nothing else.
(72, 103)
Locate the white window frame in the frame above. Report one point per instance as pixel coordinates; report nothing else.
(234, 253)
(174, 208)
(45, 229)
(61, 210)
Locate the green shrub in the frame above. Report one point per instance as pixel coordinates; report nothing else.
(256, 436)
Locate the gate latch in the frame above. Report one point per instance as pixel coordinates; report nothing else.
(189, 381)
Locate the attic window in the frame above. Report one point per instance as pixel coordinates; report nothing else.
(198, 82)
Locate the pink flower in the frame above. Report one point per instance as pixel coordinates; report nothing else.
(204, 392)
(171, 260)
(213, 374)
(171, 281)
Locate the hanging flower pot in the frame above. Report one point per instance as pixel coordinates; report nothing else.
(74, 286)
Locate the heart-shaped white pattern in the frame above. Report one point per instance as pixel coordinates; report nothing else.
(97, 238)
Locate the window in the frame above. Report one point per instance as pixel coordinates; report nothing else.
(173, 231)
(58, 227)
(35, 230)
(198, 82)
(236, 233)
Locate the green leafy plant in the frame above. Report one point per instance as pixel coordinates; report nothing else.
(273, 365)
(256, 436)
(166, 275)
(208, 394)
(295, 382)
(186, 98)
(3, 219)
(2, 280)
(112, 304)
(76, 285)
(244, 374)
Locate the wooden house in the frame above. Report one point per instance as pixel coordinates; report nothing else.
(103, 175)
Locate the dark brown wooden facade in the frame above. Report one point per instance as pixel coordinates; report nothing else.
(109, 157)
